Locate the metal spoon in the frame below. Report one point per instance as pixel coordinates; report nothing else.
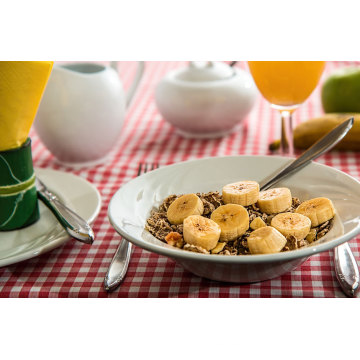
(74, 225)
(346, 269)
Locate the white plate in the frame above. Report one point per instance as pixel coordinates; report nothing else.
(47, 234)
(131, 206)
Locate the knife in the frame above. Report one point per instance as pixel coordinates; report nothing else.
(74, 225)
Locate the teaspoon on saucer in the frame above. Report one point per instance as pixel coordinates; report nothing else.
(74, 225)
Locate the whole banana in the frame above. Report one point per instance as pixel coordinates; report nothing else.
(310, 131)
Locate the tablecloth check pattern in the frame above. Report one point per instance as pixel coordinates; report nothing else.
(77, 270)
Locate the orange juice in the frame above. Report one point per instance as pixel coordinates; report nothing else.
(286, 83)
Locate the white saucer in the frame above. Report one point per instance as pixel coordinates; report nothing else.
(47, 234)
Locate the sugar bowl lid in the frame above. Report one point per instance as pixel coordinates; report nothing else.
(199, 71)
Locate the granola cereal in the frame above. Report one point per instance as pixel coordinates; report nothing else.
(160, 227)
(174, 239)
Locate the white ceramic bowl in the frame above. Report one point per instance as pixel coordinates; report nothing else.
(131, 206)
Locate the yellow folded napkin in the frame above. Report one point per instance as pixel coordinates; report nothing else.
(22, 84)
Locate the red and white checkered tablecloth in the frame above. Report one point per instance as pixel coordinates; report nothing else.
(76, 270)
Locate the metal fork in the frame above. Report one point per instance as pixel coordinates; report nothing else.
(120, 262)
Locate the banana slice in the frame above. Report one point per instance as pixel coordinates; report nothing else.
(311, 236)
(275, 200)
(233, 220)
(257, 223)
(201, 231)
(218, 248)
(184, 206)
(266, 240)
(292, 224)
(318, 210)
(242, 193)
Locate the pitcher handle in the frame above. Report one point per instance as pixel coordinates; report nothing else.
(134, 85)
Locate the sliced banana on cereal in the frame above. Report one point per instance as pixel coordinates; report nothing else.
(243, 193)
(318, 210)
(274, 200)
(311, 236)
(266, 240)
(201, 231)
(233, 220)
(257, 223)
(184, 206)
(218, 248)
(293, 224)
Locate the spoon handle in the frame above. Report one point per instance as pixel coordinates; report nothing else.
(118, 267)
(346, 270)
(74, 225)
(326, 143)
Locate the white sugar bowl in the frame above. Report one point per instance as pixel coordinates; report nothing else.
(205, 99)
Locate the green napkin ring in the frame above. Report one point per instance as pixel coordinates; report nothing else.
(18, 196)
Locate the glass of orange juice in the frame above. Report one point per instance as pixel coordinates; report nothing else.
(286, 85)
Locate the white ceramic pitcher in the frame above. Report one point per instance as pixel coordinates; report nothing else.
(82, 111)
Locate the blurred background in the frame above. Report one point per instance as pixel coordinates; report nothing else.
(147, 131)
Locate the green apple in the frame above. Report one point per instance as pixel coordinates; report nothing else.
(341, 91)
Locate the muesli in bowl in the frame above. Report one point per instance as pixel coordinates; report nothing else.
(241, 221)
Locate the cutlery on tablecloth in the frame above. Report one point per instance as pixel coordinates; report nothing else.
(74, 225)
(120, 262)
(346, 269)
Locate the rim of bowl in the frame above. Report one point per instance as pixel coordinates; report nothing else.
(282, 256)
